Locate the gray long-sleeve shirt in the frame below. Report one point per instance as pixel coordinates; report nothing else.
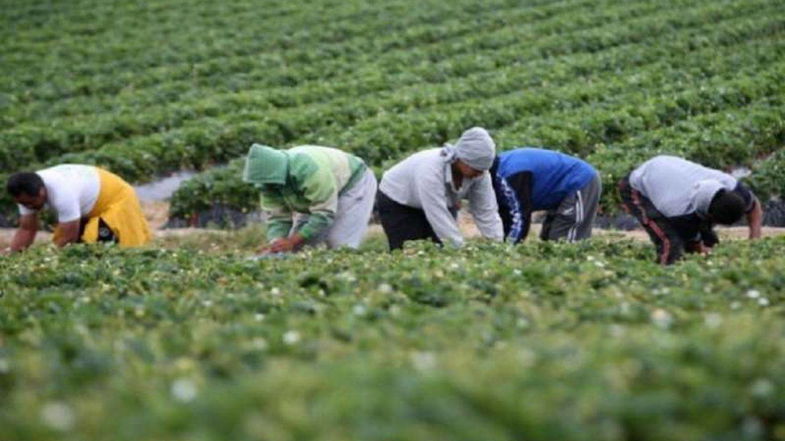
(424, 181)
(679, 187)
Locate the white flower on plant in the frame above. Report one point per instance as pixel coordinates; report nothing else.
(347, 276)
(762, 387)
(423, 361)
(80, 328)
(291, 337)
(385, 288)
(258, 317)
(753, 293)
(763, 301)
(661, 291)
(359, 310)
(207, 303)
(183, 390)
(527, 358)
(259, 343)
(617, 330)
(752, 427)
(713, 320)
(275, 291)
(58, 415)
(662, 318)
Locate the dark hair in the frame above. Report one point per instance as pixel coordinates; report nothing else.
(726, 207)
(26, 183)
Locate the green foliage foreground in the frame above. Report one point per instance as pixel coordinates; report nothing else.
(541, 341)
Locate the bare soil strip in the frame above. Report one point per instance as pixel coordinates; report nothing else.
(156, 214)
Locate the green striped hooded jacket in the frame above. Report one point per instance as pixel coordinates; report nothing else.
(304, 179)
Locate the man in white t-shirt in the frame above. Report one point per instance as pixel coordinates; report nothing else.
(91, 205)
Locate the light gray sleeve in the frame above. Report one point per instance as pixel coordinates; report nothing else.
(431, 191)
(484, 210)
(24, 211)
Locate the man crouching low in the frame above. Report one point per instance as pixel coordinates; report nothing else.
(678, 202)
(312, 195)
(91, 205)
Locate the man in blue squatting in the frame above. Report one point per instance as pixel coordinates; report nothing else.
(531, 179)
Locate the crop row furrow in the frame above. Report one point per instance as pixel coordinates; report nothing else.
(83, 26)
(280, 78)
(257, 48)
(574, 129)
(223, 186)
(552, 37)
(90, 133)
(219, 139)
(570, 117)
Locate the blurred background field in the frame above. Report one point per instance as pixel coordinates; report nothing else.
(150, 88)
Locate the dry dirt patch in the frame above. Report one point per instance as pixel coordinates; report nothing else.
(156, 214)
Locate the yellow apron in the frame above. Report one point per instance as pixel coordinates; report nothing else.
(118, 206)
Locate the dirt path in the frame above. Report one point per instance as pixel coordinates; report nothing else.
(156, 214)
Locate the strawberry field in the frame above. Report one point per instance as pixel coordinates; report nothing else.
(149, 88)
(187, 340)
(544, 341)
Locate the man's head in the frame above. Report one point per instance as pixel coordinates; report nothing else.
(466, 170)
(27, 189)
(726, 208)
(475, 152)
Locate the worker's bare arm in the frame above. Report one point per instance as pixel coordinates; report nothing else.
(69, 233)
(25, 235)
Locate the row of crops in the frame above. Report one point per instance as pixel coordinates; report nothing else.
(613, 82)
(189, 339)
(547, 341)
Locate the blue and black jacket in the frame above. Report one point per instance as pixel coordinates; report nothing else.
(530, 179)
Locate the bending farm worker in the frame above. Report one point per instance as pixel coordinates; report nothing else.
(531, 179)
(419, 197)
(678, 202)
(91, 204)
(330, 193)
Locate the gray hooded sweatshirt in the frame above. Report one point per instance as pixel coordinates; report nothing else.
(424, 181)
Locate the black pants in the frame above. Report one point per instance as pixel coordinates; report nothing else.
(105, 234)
(402, 223)
(671, 236)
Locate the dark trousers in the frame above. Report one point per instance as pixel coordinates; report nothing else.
(402, 223)
(105, 234)
(573, 219)
(669, 243)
